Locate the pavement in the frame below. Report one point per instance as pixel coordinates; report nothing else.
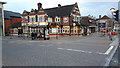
(115, 61)
(0, 51)
(92, 50)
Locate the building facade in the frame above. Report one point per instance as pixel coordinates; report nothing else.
(61, 20)
(88, 25)
(2, 32)
(105, 23)
(10, 19)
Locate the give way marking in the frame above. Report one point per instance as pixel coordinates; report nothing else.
(106, 53)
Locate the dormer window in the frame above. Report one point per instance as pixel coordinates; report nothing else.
(57, 19)
(76, 18)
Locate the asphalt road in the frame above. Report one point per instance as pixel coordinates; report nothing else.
(91, 50)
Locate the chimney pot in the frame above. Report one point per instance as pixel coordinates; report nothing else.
(59, 5)
(99, 16)
(39, 6)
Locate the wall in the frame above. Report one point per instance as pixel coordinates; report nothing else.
(8, 22)
(15, 19)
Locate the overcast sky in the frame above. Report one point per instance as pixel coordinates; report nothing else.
(86, 7)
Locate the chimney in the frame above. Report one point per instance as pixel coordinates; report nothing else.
(99, 16)
(59, 5)
(39, 6)
(75, 2)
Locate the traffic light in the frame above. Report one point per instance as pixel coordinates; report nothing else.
(116, 15)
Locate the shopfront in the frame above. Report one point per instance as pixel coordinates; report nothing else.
(37, 27)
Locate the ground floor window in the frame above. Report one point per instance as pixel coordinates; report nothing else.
(75, 30)
(66, 29)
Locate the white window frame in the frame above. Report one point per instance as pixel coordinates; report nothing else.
(49, 19)
(32, 17)
(42, 18)
(57, 19)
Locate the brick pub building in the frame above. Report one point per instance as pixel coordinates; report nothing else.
(61, 20)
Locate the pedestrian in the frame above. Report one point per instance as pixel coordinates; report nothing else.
(110, 35)
(35, 35)
(18, 32)
(103, 33)
(32, 36)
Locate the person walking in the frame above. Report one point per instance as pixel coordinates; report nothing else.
(32, 36)
(110, 35)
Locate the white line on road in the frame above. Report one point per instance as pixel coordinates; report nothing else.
(33, 41)
(109, 50)
(60, 48)
(79, 50)
(41, 45)
(75, 50)
(70, 49)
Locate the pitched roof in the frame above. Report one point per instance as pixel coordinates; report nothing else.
(59, 11)
(105, 17)
(8, 14)
(85, 21)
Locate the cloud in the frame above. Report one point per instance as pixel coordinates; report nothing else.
(92, 7)
(97, 8)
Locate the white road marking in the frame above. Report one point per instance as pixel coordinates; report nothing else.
(109, 50)
(42, 45)
(33, 41)
(89, 52)
(100, 53)
(81, 51)
(60, 48)
(78, 50)
(70, 49)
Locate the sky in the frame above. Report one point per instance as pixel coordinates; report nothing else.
(86, 7)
